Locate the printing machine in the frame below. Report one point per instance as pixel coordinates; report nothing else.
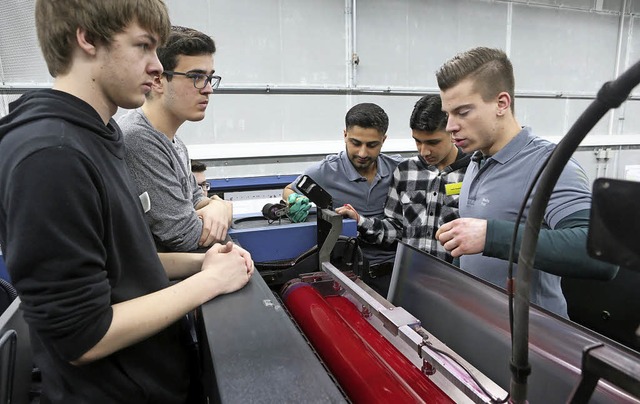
(310, 338)
(278, 352)
(322, 335)
(319, 334)
(307, 329)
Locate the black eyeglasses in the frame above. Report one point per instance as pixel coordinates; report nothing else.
(205, 185)
(200, 80)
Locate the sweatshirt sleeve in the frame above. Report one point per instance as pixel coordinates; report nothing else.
(560, 251)
(55, 252)
(173, 220)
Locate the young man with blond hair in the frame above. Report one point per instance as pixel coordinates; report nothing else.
(477, 90)
(104, 321)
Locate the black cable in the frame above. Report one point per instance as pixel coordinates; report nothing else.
(10, 289)
(611, 95)
(512, 247)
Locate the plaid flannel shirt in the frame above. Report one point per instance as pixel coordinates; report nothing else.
(417, 205)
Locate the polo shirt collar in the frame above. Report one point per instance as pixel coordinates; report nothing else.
(511, 149)
(353, 175)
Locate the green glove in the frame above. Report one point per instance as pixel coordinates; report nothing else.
(298, 207)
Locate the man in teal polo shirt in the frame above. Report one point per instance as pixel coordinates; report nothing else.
(360, 176)
(477, 90)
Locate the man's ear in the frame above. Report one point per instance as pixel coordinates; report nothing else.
(85, 42)
(345, 135)
(504, 103)
(384, 138)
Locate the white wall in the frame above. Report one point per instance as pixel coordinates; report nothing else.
(288, 76)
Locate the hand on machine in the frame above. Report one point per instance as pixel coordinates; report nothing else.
(348, 211)
(298, 207)
(299, 204)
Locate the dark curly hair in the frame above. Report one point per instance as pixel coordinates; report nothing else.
(184, 41)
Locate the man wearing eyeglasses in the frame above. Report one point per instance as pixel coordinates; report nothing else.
(198, 169)
(180, 215)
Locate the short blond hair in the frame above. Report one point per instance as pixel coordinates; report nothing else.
(58, 20)
(490, 69)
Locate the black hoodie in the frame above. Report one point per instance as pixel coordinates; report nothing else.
(75, 241)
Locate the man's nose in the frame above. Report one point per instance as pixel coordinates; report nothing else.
(208, 89)
(155, 67)
(452, 125)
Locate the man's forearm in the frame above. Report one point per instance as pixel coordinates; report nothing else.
(177, 231)
(383, 231)
(181, 265)
(202, 203)
(137, 319)
(561, 251)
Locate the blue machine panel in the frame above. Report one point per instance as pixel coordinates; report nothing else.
(251, 183)
(279, 240)
(4, 274)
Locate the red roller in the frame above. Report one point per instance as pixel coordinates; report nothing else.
(420, 383)
(363, 376)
